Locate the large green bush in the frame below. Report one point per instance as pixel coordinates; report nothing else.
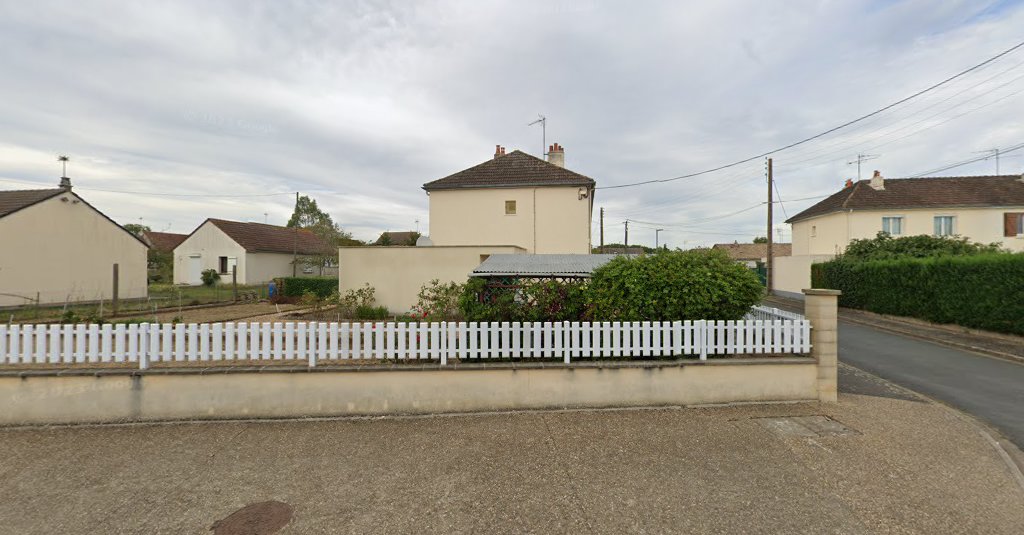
(983, 291)
(298, 286)
(673, 285)
(523, 300)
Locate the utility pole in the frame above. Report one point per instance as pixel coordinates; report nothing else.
(771, 262)
(994, 152)
(656, 231)
(627, 233)
(860, 159)
(602, 231)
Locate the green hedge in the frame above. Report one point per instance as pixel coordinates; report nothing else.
(296, 286)
(983, 291)
(673, 285)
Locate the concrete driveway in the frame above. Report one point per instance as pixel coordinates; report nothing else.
(876, 464)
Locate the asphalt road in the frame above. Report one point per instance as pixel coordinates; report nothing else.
(988, 388)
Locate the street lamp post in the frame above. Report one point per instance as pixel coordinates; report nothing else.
(656, 231)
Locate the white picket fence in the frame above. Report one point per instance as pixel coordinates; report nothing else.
(311, 342)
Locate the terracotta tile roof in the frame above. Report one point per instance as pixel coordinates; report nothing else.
(399, 238)
(262, 238)
(163, 241)
(936, 192)
(515, 169)
(12, 201)
(754, 251)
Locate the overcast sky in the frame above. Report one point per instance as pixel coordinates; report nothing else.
(359, 103)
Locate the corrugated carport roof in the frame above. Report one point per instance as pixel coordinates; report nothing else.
(542, 265)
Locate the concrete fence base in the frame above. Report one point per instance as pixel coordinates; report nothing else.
(124, 396)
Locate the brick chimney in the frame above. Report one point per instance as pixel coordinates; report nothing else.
(877, 182)
(498, 151)
(65, 183)
(556, 155)
(848, 184)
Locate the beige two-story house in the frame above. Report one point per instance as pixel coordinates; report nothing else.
(514, 199)
(986, 209)
(513, 203)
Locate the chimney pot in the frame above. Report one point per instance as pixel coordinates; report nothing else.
(878, 181)
(498, 150)
(556, 155)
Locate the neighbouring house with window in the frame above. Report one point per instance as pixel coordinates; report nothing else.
(986, 209)
(58, 248)
(513, 203)
(259, 252)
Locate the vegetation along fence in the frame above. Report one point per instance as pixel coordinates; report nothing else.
(307, 343)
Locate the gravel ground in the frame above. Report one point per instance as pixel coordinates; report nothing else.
(905, 466)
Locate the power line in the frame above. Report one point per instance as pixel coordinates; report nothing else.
(826, 132)
(965, 162)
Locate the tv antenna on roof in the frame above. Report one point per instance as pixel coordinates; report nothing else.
(860, 159)
(544, 133)
(63, 164)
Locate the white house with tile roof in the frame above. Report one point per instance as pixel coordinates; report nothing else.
(511, 204)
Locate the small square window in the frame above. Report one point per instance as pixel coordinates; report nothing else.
(944, 225)
(510, 207)
(892, 225)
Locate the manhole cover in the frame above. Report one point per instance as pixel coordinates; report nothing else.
(264, 518)
(807, 426)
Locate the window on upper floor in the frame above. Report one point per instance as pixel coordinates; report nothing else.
(1013, 224)
(814, 230)
(892, 225)
(510, 207)
(944, 225)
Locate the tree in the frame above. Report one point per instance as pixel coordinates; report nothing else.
(307, 215)
(136, 228)
(761, 239)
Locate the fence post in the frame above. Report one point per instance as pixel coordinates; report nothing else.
(143, 346)
(821, 309)
(566, 340)
(702, 328)
(445, 334)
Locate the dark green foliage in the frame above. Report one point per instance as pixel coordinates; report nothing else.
(297, 286)
(984, 291)
(673, 285)
(523, 300)
(367, 312)
(884, 247)
(209, 277)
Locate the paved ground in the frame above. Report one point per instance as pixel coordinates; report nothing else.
(989, 388)
(908, 466)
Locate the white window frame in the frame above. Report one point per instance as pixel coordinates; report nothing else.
(901, 220)
(952, 224)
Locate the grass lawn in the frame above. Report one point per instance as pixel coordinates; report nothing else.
(161, 296)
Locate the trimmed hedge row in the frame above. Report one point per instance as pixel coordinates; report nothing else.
(296, 286)
(983, 291)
